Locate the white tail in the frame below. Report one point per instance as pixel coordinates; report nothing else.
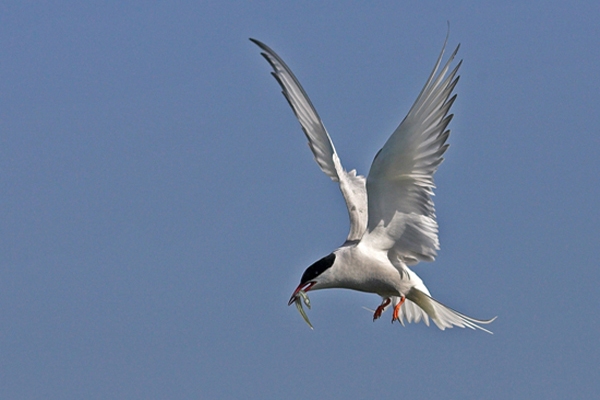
(420, 306)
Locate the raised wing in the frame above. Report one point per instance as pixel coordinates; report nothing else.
(352, 185)
(400, 183)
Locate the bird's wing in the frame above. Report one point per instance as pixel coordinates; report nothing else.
(352, 185)
(401, 215)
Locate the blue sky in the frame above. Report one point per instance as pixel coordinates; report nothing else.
(159, 203)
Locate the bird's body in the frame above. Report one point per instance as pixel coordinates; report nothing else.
(359, 268)
(392, 217)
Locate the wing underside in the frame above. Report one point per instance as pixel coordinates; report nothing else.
(352, 185)
(401, 214)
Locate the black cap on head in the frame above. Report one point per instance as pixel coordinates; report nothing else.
(317, 268)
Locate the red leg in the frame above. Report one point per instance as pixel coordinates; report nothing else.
(397, 309)
(380, 309)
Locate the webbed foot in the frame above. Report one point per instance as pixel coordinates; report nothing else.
(381, 308)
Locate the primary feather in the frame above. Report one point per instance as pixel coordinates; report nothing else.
(352, 185)
(400, 183)
(392, 216)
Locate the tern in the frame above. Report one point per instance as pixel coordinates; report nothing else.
(392, 217)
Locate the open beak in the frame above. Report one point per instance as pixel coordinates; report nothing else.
(301, 288)
(300, 296)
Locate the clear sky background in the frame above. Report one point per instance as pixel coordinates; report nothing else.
(158, 202)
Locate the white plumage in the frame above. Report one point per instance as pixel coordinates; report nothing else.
(392, 217)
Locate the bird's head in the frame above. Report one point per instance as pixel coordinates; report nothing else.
(315, 277)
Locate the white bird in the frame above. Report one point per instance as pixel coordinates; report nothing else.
(392, 217)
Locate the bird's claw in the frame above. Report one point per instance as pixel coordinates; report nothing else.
(396, 315)
(381, 309)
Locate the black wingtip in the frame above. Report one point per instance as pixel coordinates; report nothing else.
(259, 44)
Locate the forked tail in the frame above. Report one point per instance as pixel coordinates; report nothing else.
(419, 306)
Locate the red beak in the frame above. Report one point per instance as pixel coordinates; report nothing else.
(304, 287)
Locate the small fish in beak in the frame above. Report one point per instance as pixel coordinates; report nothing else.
(302, 296)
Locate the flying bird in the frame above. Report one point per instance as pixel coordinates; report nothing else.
(392, 217)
